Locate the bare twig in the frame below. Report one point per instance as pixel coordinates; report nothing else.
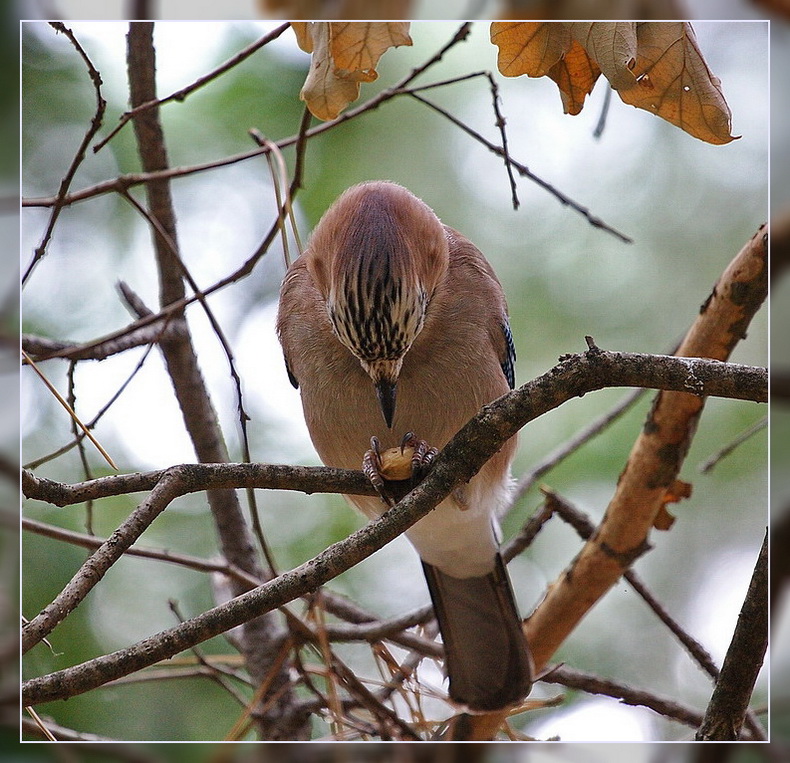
(86, 468)
(522, 169)
(213, 672)
(69, 410)
(714, 460)
(526, 481)
(79, 157)
(181, 95)
(500, 123)
(577, 679)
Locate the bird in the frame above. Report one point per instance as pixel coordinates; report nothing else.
(391, 324)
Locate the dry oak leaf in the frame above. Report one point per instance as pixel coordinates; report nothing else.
(673, 81)
(653, 66)
(344, 55)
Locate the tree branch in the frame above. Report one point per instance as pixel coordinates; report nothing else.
(726, 711)
(656, 457)
(460, 460)
(60, 200)
(98, 563)
(665, 706)
(182, 365)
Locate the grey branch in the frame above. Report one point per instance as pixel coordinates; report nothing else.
(464, 455)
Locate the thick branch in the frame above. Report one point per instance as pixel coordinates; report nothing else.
(656, 457)
(727, 708)
(97, 565)
(459, 461)
(198, 412)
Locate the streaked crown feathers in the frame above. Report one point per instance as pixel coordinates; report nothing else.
(377, 255)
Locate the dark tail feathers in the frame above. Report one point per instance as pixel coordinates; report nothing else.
(488, 660)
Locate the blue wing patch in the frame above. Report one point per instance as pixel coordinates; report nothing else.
(509, 363)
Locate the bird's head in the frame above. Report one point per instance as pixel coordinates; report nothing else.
(376, 256)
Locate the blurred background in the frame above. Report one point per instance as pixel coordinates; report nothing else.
(688, 206)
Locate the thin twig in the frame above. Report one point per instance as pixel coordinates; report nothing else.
(523, 170)
(213, 673)
(79, 156)
(601, 125)
(714, 460)
(500, 123)
(69, 409)
(666, 706)
(102, 411)
(86, 468)
(181, 95)
(40, 724)
(566, 449)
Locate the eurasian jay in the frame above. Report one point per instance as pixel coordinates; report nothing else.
(393, 323)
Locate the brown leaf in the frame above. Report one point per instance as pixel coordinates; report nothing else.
(304, 37)
(611, 46)
(673, 81)
(575, 75)
(529, 47)
(538, 49)
(359, 46)
(653, 66)
(344, 54)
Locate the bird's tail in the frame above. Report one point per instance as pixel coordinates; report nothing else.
(487, 657)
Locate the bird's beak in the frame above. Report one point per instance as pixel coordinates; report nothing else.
(384, 374)
(385, 391)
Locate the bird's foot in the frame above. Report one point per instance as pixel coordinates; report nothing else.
(422, 455)
(394, 472)
(372, 468)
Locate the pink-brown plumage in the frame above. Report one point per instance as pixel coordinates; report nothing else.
(388, 301)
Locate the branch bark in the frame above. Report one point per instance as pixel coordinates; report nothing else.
(182, 365)
(655, 460)
(726, 710)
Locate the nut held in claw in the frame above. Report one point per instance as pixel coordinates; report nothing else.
(396, 463)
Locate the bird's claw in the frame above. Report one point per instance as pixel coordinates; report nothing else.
(392, 490)
(371, 467)
(422, 457)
